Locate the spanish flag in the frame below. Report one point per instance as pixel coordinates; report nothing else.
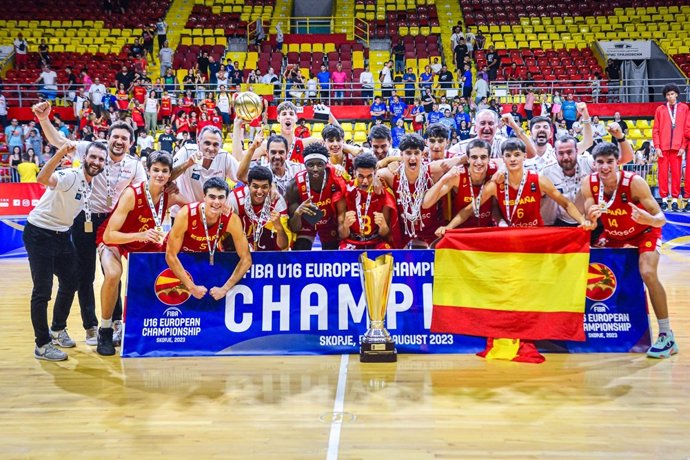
(511, 282)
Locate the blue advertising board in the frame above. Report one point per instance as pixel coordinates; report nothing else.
(312, 303)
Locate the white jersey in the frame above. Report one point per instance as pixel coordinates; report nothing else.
(191, 182)
(569, 186)
(281, 182)
(58, 206)
(540, 162)
(114, 179)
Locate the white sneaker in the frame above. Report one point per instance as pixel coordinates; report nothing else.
(48, 352)
(92, 336)
(62, 339)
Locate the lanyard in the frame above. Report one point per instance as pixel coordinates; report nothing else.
(323, 184)
(358, 202)
(211, 248)
(672, 114)
(109, 190)
(86, 193)
(476, 202)
(604, 206)
(259, 221)
(157, 216)
(510, 215)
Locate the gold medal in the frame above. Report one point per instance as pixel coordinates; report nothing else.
(603, 208)
(88, 226)
(210, 259)
(109, 201)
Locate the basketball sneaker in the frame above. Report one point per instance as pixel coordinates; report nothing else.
(664, 347)
(62, 339)
(48, 352)
(674, 206)
(664, 205)
(92, 336)
(117, 333)
(105, 345)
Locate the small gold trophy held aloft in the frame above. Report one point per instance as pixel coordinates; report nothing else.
(377, 275)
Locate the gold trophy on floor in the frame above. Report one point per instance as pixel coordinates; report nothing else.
(377, 275)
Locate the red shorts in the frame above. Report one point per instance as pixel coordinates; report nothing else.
(377, 243)
(644, 242)
(125, 249)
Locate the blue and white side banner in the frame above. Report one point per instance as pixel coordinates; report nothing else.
(312, 303)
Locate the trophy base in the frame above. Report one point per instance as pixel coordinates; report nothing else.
(378, 353)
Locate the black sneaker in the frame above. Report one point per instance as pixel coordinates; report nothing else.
(105, 345)
(664, 205)
(674, 206)
(685, 206)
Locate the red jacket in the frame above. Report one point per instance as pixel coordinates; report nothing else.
(661, 131)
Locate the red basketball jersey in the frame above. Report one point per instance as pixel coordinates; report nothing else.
(267, 242)
(527, 213)
(333, 192)
(463, 197)
(618, 222)
(426, 225)
(195, 237)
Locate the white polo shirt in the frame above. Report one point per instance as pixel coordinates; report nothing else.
(541, 162)
(191, 182)
(58, 206)
(570, 187)
(118, 175)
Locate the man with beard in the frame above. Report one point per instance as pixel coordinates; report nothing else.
(204, 227)
(315, 201)
(369, 216)
(569, 170)
(49, 248)
(277, 147)
(631, 217)
(468, 183)
(409, 183)
(136, 225)
(519, 195)
(121, 170)
(287, 118)
(262, 213)
(201, 161)
(541, 130)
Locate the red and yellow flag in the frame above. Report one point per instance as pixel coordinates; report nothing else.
(511, 282)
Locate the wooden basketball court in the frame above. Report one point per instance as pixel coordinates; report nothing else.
(425, 406)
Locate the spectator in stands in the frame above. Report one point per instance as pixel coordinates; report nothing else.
(223, 104)
(464, 130)
(3, 111)
(43, 53)
(137, 48)
(203, 62)
(138, 118)
(259, 32)
(428, 100)
(621, 123)
(339, 79)
(33, 141)
(21, 49)
(449, 121)
(434, 116)
(460, 52)
(397, 109)
(467, 83)
(366, 80)
(151, 107)
(455, 36)
(460, 114)
(49, 79)
(595, 84)
(398, 53)
(312, 88)
(236, 75)
(162, 32)
(302, 130)
(479, 40)
(469, 42)
(71, 93)
(324, 78)
(443, 105)
(418, 115)
(254, 77)
(643, 154)
(386, 80)
(410, 80)
(481, 87)
(377, 109)
(279, 38)
(530, 98)
(14, 135)
(166, 55)
(492, 62)
(295, 86)
(124, 77)
(397, 133)
(15, 160)
(27, 170)
(613, 73)
(426, 79)
(213, 70)
(147, 41)
(561, 129)
(144, 142)
(222, 77)
(48, 152)
(96, 93)
(166, 140)
(598, 129)
(569, 109)
(671, 122)
(556, 105)
(436, 66)
(445, 79)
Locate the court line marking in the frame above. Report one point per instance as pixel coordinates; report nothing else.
(338, 405)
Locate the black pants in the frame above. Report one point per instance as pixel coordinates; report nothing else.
(50, 253)
(162, 39)
(85, 244)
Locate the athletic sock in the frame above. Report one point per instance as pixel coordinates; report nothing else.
(107, 323)
(665, 326)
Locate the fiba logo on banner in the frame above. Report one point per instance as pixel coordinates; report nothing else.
(601, 282)
(600, 322)
(169, 289)
(171, 326)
